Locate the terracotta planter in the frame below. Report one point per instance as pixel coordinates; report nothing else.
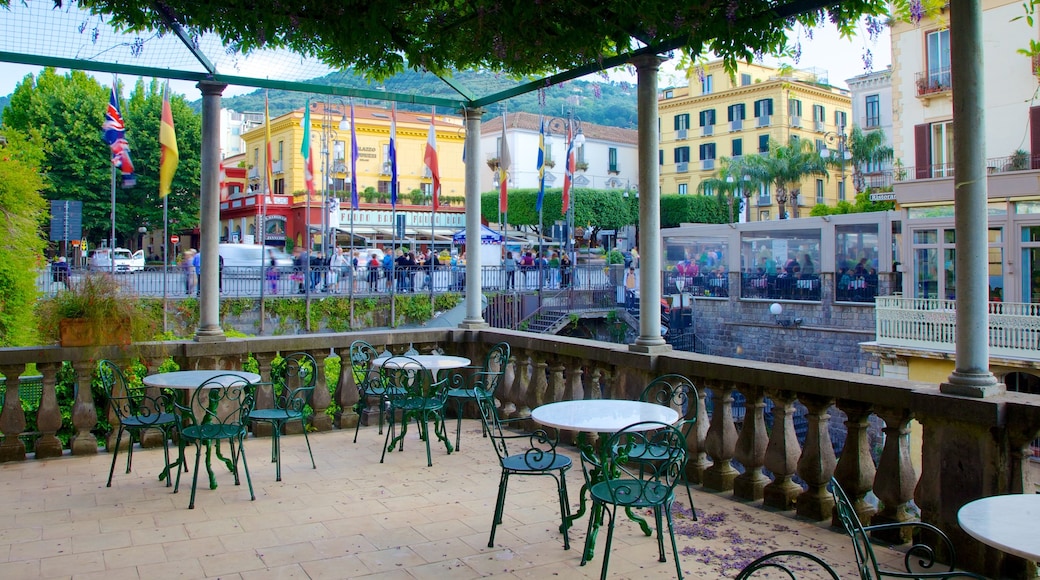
(83, 332)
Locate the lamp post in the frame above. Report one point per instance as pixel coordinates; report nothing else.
(841, 154)
(328, 141)
(570, 128)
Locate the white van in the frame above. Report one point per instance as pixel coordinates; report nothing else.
(249, 259)
(126, 261)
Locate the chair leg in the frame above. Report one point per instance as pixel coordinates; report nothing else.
(689, 494)
(130, 450)
(389, 438)
(425, 433)
(276, 450)
(561, 485)
(166, 455)
(458, 422)
(589, 544)
(361, 413)
(245, 466)
(660, 536)
(503, 482)
(675, 548)
(181, 460)
(610, 538)
(307, 439)
(115, 451)
(195, 476)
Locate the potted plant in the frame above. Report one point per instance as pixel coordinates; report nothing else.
(94, 311)
(492, 163)
(581, 165)
(549, 163)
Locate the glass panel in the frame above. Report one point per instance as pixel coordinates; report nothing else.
(934, 211)
(950, 273)
(1031, 234)
(950, 236)
(781, 265)
(698, 264)
(926, 284)
(1031, 274)
(856, 259)
(925, 237)
(996, 274)
(1027, 207)
(897, 243)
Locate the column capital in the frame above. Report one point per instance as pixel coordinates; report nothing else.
(211, 88)
(652, 61)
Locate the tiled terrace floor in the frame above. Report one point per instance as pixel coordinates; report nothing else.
(351, 518)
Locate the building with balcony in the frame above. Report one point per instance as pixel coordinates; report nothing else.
(731, 116)
(607, 160)
(915, 338)
(872, 110)
(291, 214)
(232, 125)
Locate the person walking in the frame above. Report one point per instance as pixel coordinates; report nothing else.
(509, 265)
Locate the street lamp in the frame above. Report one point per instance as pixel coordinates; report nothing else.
(571, 130)
(841, 154)
(328, 140)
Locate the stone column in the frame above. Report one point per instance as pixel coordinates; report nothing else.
(48, 418)
(782, 454)
(649, 208)
(696, 447)
(816, 465)
(12, 419)
(722, 440)
(84, 414)
(209, 207)
(971, 376)
(346, 395)
(855, 470)
(751, 446)
(474, 291)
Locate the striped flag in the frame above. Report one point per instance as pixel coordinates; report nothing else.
(353, 159)
(169, 156)
(541, 166)
(305, 150)
(114, 133)
(393, 155)
(503, 171)
(568, 173)
(430, 160)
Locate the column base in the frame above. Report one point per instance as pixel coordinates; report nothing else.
(347, 419)
(83, 444)
(650, 348)
(978, 385)
(48, 446)
(781, 495)
(720, 477)
(476, 324)
(210, 335)
(750, 485)
(321, 422)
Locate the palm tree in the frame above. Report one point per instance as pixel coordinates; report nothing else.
(867, 148)
(785, 166)
(727, 182)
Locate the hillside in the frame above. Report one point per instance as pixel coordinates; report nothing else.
(602, 103)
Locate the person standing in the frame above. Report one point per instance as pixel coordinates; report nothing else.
(60, 272)
(509, 264)
(565, 271)
(272, 272)
(338, 270)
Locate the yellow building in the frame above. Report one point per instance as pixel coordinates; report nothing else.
(330, 132)
(719, 116)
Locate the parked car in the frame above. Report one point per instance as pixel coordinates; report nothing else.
(249, 259)
(126, 261)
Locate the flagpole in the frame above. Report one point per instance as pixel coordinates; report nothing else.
(166, 256)
(112, 238)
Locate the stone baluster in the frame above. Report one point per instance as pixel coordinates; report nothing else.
(896, 479)
(320, 399)
(751, 445)
(556, 383)
(525, 376)
(264, 393)
(346, 395)
(855, 470)
(507, 392)
(574, 390)
(782, 454)
(48, 418)
(12, 419)
(721, 440)
(696, 444)
(816, 465)
(594, 390)
(84, 413)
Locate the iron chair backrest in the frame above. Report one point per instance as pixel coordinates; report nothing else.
(677, 392)
(294, 382)
(133, 403)
(538, 447)
(218, 407)
(406, 378)
(361, 356)
(651, 480)
(920, 560)
(490, 376)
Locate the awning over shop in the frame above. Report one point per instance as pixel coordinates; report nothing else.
(487, 236)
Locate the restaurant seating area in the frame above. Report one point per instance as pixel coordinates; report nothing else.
(353, 517)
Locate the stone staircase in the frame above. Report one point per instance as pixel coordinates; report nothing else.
(548, 321)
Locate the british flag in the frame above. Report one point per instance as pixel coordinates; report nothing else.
(114, 133)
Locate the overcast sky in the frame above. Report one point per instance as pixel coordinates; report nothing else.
(840, 58)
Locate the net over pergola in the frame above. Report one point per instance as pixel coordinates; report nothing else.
(286, 45)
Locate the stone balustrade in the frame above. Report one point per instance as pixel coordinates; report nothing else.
(969, 448)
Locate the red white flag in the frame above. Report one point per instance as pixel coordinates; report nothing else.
(430, 159)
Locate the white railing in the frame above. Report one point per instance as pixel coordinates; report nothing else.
(931, 324)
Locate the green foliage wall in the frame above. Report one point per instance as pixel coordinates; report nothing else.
(701, 209)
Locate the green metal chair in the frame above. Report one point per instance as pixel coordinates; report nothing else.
(369, 383)
(137, 408)
(478, 383)
(920, 558)
(647, 484)
(525, 453)
(412, 393)
(679, 393)
(918, 562)
(294, 386)
(218, 410)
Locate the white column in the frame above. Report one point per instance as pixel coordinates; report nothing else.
(209, 224)
(971, 376)
(474, 161)
(649, 208)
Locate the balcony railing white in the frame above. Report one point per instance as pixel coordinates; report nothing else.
(931, 324)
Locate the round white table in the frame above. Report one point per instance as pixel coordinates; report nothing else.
(194, 379)
(433, 362)
(1010, 523)
(601, 415)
